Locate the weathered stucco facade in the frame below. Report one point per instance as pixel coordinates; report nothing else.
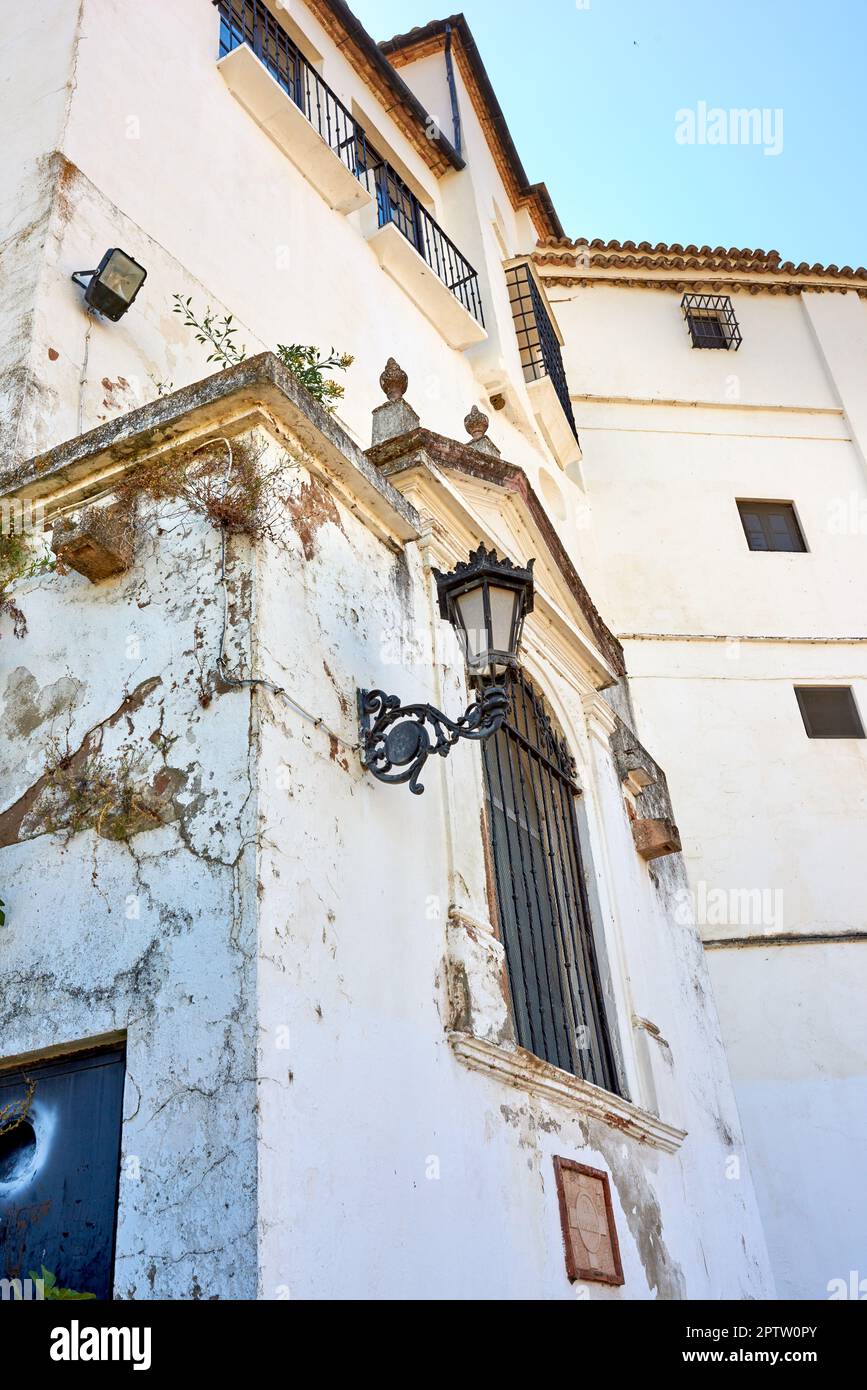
(323, 1092)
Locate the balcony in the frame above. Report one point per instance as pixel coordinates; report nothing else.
(413, 248)
(539, 344)
(267, 73)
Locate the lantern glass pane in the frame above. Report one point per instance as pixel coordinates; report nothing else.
(470, 608)
(503, 604)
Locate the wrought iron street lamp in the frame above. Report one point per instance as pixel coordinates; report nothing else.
(486, 600)
(112, 287)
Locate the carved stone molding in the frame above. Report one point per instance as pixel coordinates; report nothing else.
(521, 1070)
(601, 719)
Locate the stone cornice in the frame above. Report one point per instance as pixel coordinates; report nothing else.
(408, 451)
(258, 391)
(521, 1070)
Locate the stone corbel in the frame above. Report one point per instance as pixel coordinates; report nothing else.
(99, 546)
(655, 837)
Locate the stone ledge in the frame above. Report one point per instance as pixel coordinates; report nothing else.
(252, 392)
(521, 1070)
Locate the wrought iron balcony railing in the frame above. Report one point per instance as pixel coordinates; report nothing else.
(396, 203)
(251, 22)
(537, 338)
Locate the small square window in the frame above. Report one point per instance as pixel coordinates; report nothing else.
(711, 321)
(771, 526)
(829, 711)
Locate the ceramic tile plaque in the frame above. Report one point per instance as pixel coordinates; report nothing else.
(587, 1220)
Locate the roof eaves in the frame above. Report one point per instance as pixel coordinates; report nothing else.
(534, 192)
(406, 98)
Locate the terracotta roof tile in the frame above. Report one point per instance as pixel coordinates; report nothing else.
(739, 267)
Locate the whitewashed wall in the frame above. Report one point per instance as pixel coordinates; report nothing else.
(774, 823)
(382, 1166)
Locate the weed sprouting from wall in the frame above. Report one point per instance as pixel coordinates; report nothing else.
(306, 363)
(229, 484)
(111, 798)
(18, 561)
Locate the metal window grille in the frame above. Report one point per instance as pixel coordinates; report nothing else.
(250, 22)
(711, 321)
(829, 711)
(771, 526)
(541, 894)
(538, 343)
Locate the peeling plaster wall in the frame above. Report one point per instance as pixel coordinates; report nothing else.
(297, 1120)
(154, 937)
(36, 98)
(386, 1169)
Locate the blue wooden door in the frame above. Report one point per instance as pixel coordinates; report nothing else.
(59, 1169)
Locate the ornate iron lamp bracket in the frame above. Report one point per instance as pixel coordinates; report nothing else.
(395, 739)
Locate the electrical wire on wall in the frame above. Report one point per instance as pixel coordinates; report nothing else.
(82, 380)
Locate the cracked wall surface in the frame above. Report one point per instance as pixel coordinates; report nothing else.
(280, 936)
(142, 926)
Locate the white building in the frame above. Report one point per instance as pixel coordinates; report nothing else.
(348, 1041)
(679, 446)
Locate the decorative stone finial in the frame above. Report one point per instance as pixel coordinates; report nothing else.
(394, 381)
(395, 416)
(476, 424)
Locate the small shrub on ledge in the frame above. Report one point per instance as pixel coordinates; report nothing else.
(305, 363)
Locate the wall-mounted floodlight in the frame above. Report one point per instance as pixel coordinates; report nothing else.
(112, 287)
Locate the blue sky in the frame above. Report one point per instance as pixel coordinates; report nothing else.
(591, 91)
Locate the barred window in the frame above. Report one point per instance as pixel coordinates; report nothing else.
(541, 893)
(538, 343)
(711, 321)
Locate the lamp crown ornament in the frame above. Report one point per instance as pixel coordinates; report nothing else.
(394, 380)
(482, 564)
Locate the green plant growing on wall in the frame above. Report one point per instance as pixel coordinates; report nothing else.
(17, 561)
(305, 363)
(307, 366)
(50, 1287)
